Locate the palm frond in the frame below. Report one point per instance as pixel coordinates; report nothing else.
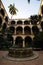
(12, 9)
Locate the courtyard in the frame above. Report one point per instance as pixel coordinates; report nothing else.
(22, 33)
(38, 61)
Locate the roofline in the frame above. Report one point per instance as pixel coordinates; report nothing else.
(4, 8)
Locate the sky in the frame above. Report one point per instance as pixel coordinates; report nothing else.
(25, 10)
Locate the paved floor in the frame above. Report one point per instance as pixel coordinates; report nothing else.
(38, 61)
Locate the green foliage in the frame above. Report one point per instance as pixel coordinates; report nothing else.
(38, 40)
(5, 44)
(42, 25)
(35, 30)
(4, 28)
(0, 21)
(30, 0)
(12, 9)
(35, 18)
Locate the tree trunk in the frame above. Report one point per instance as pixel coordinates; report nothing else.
(11, 16)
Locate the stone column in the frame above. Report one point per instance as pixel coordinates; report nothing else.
(23, 30)
(15, 30)
(23, 44)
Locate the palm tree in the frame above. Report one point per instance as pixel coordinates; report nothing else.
(12, 9)
(29, 1)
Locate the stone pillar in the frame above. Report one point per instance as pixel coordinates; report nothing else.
(23, 44)
(15, 30)
(23, 28)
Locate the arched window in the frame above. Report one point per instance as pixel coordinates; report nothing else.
(28, 41)
(6, 19)
(19, 30)
(12, 22)
(19, 22)
(2, 12)
(27, 30)
(26, 22)
(19, 42)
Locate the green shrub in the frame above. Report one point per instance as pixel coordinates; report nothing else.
(4, 43)
(38, 41)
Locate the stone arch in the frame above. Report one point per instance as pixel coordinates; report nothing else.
(26, 22)
(6, 18)
(27, 30)
(28, 41)
(19, 30)
(12, 22)
(2, 12)
(19, 41)
(19, 22)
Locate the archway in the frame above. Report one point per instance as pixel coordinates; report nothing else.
(19, 42)
(19, 30)
(6, 19)
(27, 30)
(19, 22)
(2, 12)
(12, 22)
(26, 22)
(28, 41)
